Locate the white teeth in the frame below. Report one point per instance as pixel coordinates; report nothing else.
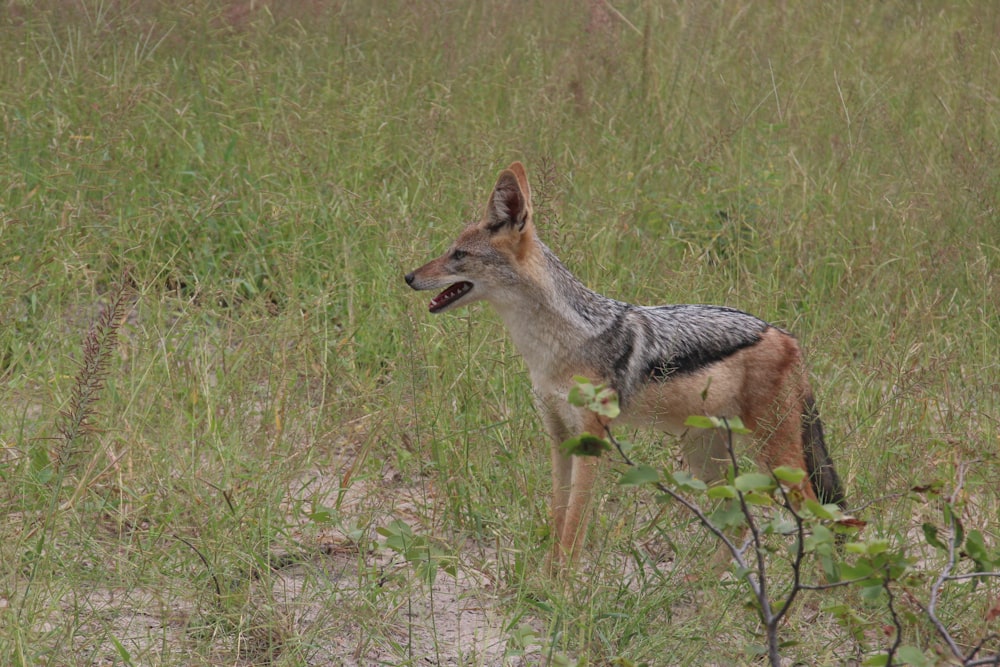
(450, 294)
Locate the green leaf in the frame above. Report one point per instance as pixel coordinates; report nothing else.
(879, 660)
(606, 403)
(724, 491)
(830, 568)
(931, 536)
(819, 510)
(399, 537)
(580, 394)
(975, 546)
(780, 525)
(789, 475)
(321, 515)
(699, 421)
(639, 475)
(599, 399)
(758, 498)
(911, 655)
(585, 444)
(396, 527)
(728, 516)
(821, 537)
(833, 509)
(448, 563)
(754, 481)
(856, 548)
(871, 593)
(688, 482)
(733, 424)
(875, 547)
(859, 570)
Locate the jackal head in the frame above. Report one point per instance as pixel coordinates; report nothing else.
(490, 256)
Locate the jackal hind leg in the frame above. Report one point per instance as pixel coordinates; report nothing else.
(706, 453)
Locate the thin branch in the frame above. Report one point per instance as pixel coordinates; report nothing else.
(930, 610)
(895, 620)
(835, 584)
(770, 619)
(970, 575)
(873, 501)
(760, 589)
(993, 659)
(799, 556)
(694, 509)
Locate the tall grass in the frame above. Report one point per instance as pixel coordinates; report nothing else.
(268, 173)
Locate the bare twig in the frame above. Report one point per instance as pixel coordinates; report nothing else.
(971, 575)
(895, 620)
(990, 660)
(931, 608)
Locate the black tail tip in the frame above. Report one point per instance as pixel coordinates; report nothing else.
(824, 478)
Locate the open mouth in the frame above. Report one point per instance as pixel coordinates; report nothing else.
(450, 296)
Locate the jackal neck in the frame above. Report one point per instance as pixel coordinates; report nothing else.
(551, 314)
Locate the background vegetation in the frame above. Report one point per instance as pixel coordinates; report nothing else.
(226, 195)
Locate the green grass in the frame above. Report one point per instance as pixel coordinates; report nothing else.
(266, 175)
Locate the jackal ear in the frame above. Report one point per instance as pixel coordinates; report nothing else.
(510, 204)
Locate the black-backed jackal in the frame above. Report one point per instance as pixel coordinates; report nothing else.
(666, 362)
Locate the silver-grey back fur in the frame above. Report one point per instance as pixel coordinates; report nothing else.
(653, 342)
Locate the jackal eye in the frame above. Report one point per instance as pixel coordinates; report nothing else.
(457, 254)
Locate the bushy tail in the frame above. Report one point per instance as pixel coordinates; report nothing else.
(822, 476)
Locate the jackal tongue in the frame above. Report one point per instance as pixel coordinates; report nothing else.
(449, 295)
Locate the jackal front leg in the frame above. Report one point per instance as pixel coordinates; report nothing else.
(573, 479)
(581, 493)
